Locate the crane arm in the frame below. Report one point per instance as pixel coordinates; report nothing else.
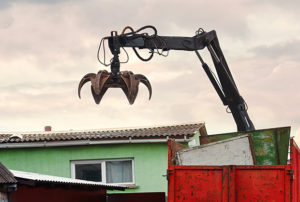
(223, 82)
(224, 85)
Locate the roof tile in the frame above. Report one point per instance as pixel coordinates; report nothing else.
(134, 133)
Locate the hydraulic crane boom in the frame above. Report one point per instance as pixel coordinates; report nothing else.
(224, 85)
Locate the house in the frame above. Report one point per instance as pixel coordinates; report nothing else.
(7, 183)
(135, 157)
(20, 186)
(36, 187)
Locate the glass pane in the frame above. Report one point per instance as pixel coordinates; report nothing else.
(91, 172)
(119, 171)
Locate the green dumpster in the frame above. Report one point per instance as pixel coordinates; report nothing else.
(270, 145)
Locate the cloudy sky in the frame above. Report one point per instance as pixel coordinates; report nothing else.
(47, 46)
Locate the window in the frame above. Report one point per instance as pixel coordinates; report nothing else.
(107, 171)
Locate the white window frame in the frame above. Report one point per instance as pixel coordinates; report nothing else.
(103, 168)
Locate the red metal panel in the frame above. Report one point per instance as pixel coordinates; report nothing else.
(236, 183)
(288, 182)
(225, 187)
(261, 183)
(197, 184)
(171, 184)
(295, 173)
(231, 183)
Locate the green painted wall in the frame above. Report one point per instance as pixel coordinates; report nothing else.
(150, 161)
(196, 138)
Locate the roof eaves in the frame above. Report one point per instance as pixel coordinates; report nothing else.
(87, 142)
(55, 180)
(134, 133)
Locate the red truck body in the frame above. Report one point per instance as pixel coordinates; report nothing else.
(234, 183)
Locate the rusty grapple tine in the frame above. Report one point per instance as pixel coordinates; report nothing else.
(86, 78)
(100, 81)
(135, 87)
(146, 82)
(125, 77)
(131, 96)
(98, 97)
(136, 90)
(125, 90)
(133, 84)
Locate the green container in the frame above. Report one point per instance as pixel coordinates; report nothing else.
(270, 145)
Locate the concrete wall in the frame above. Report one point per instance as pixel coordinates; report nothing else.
(150, 161)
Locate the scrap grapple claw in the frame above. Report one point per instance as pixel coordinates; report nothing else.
(126, 80)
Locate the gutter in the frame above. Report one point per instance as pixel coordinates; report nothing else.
(85, 142)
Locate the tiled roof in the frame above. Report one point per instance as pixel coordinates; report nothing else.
(49, 179)
(6, 177)
(171, 131)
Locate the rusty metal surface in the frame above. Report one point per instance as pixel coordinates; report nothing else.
(270, 145)
(137, 197)
(125, 80)
(175, 146)
(171, 131)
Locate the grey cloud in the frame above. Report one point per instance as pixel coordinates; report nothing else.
(36, 98)
(280, 3)
(4, 4)
(288, 50)
(170, 18)
(46, 41)
(42, 1)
